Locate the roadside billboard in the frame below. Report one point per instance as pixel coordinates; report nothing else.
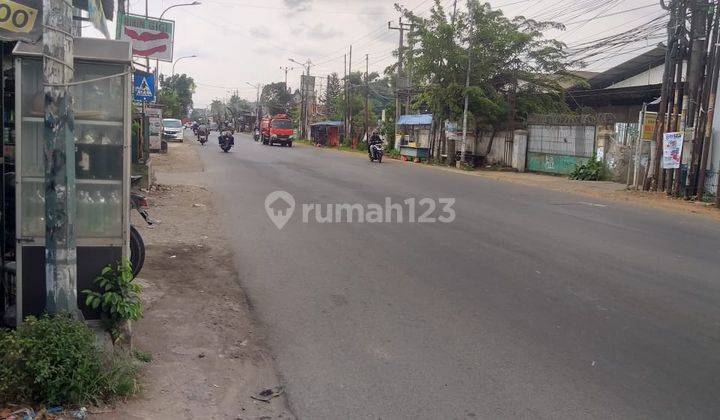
(149, 37)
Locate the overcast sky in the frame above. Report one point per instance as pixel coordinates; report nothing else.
(239, 41)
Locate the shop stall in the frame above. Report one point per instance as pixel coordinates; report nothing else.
(412, 136)
(102, 166)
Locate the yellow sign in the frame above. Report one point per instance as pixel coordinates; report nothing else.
(648, 126)
(16, 17)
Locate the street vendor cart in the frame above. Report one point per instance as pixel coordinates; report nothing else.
(102, 166)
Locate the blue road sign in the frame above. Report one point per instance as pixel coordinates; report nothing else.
(143, 87)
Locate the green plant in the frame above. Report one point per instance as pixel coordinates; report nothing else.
(118, 299)
(393, 153)
(592, 170)
(121, 371)
(142, 356)
(50, 360)
(56, 360)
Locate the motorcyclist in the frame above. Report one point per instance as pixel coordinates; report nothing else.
(374, 139)
(227, 136)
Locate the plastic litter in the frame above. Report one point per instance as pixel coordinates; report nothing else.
(266, 395)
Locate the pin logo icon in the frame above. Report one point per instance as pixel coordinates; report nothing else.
(280, 206)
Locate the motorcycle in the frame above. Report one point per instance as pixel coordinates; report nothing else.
(226, 141)
(256, 136)
(202, 136)
(137, 245)
(376, 152)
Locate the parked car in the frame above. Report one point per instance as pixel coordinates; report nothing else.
(173, 130)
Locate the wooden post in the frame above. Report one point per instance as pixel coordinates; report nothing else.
(59, 150)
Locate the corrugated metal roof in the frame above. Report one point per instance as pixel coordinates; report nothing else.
(421, 119)
(632, 67)
(89, 49)
(332, 123)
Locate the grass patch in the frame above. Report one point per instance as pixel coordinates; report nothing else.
(142, 356)
(56, 360)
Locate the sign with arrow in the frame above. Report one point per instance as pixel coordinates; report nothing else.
(143, 87)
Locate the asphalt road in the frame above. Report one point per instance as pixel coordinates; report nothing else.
(531, 304)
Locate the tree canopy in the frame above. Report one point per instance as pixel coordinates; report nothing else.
(277, 98)
(514, 70)
(175, 95)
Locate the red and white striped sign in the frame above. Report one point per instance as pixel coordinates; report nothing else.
(149, 37)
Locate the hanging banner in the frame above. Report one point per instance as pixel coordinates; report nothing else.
(648, 126)
(21, 20)
(672, 150)
(96, 15)
(149, 37)
(143, 87)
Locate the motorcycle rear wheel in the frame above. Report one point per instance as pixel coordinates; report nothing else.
(137, 251)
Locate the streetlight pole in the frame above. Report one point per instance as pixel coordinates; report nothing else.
(181, 58)
(286, 69)
(257, 102)
(304, 91)
(157, 61)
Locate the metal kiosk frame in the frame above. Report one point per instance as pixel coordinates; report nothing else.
(102, 155)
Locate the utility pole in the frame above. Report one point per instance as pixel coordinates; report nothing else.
(465, 111)
(305, 92)
(350, 89)
(59, 151)
(698, 57)
(652, 177)
(714, 72)
(345, 97)
(367, 96)
(147, 59)
(398, 77)
(286, 69)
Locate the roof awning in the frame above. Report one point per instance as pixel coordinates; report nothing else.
(327, 123)
(421, 119)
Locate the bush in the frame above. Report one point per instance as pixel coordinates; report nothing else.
(118, 299)
(57, 361)
(592, 170)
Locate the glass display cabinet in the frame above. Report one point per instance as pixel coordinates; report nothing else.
(102, 165)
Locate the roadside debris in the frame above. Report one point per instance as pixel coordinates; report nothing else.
(42, 414)
(266, 395)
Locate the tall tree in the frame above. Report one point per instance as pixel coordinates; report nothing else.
(514, 69)
(176, 94)
(333, 91)
(276, 97)
(217, 109)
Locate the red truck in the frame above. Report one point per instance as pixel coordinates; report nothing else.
(277, 129)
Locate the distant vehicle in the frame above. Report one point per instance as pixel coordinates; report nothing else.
(213, 126)
(173, 130)
(277, 129)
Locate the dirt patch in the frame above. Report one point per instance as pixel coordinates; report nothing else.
(209, 354)
(179, 158)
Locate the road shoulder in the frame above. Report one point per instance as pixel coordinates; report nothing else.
(610, 191)
(209, 353)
